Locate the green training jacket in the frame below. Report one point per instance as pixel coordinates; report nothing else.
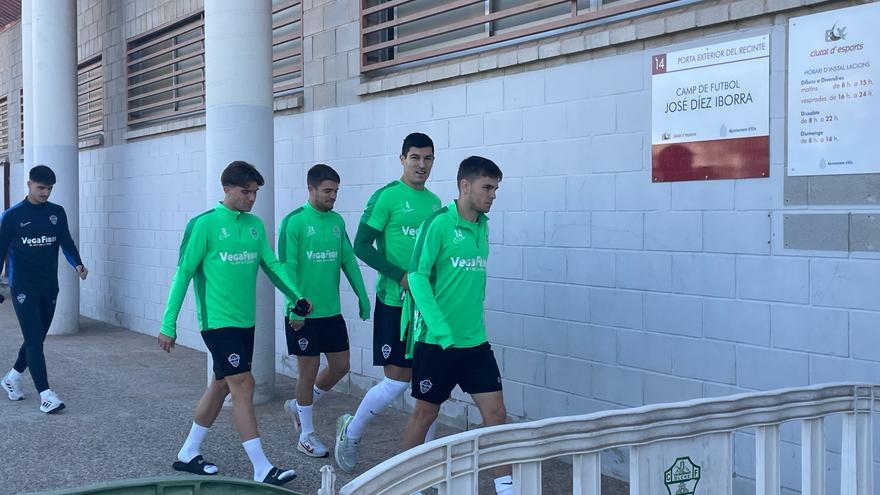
(391, 219)
(447, 282)
(221, 251)
(313, 246)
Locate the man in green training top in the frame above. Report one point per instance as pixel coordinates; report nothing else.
(444, 311)
(313, 246)
(222, 249)
(391, 219)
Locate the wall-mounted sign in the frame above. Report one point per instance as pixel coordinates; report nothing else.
(833, 72)
(710, 111)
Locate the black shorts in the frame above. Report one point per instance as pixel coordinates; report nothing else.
(437, 371)
(316, 336)
(232, 350)
(387, 346)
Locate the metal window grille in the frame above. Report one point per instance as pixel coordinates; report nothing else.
(21, 119)
(287, 63)
(4, 127)
(395, 32)
(166, 72)
(90, 98)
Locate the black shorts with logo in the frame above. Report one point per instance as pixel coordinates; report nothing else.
(437, 371)
(387, 346)
(232, 350)
(316, 336)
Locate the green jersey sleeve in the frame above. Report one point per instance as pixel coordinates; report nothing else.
(355, 279)
(288, 247)
(428, 244)
(192, 252)
(276, 271)
(366, 250)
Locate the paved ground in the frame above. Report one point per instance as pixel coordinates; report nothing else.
(129, 407)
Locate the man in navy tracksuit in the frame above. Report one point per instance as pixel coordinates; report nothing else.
(30, 235)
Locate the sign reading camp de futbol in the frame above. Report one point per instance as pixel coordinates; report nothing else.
(710, 111)
(833, 100)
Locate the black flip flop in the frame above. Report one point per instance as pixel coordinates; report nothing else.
(274, 476)
(196, 465)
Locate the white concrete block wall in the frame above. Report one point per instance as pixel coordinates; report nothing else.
(135, 202)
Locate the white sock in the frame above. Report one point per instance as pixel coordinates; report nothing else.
(262, 466)
(432, 431)
(504, 485)
(46, 393)
(305, 419)
(13, 375)
(316, 394)
(193, 444)
(377, 399)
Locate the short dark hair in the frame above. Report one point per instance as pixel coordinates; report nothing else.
(319, 173)
(240, 173)
(416, 140)
(473, 167)
(43, 175)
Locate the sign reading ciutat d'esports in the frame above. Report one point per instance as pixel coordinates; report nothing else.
(710, 111)
(833, 105)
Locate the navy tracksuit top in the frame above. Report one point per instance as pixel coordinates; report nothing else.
(30, 236)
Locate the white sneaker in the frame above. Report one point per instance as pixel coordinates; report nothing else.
(51, 404)
(311, 446)
(13, 388)
(290, 409)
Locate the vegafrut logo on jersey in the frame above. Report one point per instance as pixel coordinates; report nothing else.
(682, 477)
(21, 298)
(303, 343)
(409, 231)
(477, 263)
(244, 257)
(43, 240)
(386, 351)
(234, 360)
(53, 219)
(322, 256)
(425, 386)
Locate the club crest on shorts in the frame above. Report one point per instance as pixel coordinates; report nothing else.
(53, 219)
(386, 351)
(234, 360)
(425, 385)
(303, 343)
(21, 298)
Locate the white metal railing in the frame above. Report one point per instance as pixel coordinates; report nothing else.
(453, 463)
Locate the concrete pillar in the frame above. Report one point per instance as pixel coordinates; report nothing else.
(238, 83)
(52, 123)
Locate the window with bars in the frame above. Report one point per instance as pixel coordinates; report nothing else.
(21, 120)
(166, 72)
(90, 98)
(395, 32)
(287, 63)
(166, 67)
(4, 127)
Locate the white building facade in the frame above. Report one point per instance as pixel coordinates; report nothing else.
(606, 289)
